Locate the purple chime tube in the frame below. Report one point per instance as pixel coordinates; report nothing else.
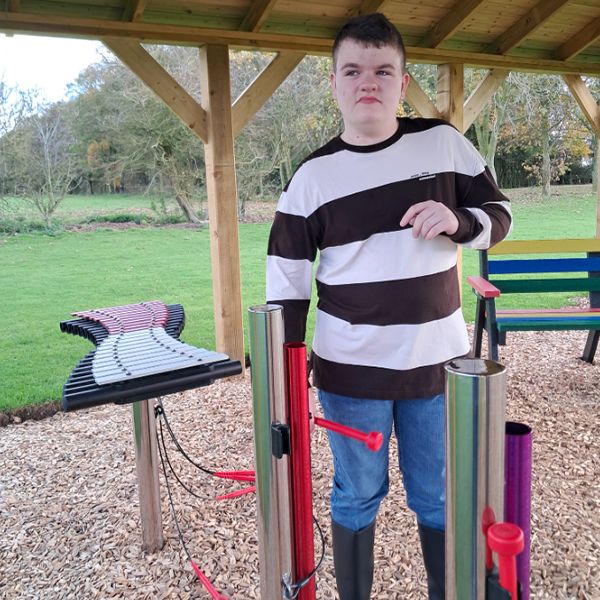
(517, 492)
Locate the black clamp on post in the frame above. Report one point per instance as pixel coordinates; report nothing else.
(280, 439)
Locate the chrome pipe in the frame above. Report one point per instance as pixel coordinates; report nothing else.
(146, 462)
(273, 477)
(475, 417)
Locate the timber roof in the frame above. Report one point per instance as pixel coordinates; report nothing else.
(561, 36)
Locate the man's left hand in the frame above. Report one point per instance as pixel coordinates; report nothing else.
(429, 219)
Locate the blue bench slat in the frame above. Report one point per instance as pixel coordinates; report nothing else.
(544, 265)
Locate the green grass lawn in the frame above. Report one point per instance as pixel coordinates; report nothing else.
(43, 278)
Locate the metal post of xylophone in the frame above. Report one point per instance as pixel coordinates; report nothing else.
(147, 467)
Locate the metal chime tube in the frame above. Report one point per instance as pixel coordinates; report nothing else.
(302, 507)
(272, 474)
(475, 407)
(517, 492)
(146, 461)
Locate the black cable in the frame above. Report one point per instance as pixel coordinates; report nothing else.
(296, 587)
(183, 485)
(160, 411)
(172, 505)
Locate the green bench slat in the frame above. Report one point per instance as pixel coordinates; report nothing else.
(509, 286)
(547, 324)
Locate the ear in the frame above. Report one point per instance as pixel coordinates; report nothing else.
(332, 84)
(404, 86)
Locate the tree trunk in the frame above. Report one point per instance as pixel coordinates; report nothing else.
(596, 147)
(188, 210)
(546, 176)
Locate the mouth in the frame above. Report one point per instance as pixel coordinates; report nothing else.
(368, 100)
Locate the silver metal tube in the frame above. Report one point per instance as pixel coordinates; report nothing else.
(475, 417)
(273, 480)
(146, 461)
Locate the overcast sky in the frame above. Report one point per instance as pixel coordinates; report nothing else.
(48, 64)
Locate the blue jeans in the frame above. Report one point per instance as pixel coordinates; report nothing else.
(361, 478)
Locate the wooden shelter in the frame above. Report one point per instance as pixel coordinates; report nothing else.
(546, 36)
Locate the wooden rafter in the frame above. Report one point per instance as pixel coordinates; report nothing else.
(586, 101)
(134, 9)
(259, 12)
(159, 33)
(579, 42)
(370, 6)
(420, 101)
(450, 23)
(481, 95)
(261, 89)
(161, 83)
(13, 5)
(526, 25)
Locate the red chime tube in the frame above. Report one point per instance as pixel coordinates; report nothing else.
(302, 506)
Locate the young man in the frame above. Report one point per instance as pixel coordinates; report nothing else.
(386, 204)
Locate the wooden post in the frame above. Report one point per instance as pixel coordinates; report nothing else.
(450, 93)
(450, 101)
(598, 194)
(222, 201)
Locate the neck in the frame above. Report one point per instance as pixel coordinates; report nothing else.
(369, 135)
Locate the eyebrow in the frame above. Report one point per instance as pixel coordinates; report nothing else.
(356, 66)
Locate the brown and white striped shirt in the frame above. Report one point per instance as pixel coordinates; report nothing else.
(388, 315)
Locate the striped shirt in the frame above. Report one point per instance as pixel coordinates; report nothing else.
(388, 315)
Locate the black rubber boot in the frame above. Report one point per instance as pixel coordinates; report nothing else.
(353, 561)
(433, 544)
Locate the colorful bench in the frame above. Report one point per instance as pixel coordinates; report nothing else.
(538, 274)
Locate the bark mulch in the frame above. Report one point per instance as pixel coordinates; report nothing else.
(69, 509)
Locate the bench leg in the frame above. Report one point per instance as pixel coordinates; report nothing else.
(590, 346)
(479, 324)
(492, 330)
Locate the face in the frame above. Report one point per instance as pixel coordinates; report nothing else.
(368, 84)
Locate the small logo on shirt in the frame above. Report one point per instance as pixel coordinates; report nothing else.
(423, 176)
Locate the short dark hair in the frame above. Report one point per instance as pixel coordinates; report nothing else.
(374, 29)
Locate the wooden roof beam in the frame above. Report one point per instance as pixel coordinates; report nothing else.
(579, 42)
(420, 102)
(151, 33)
(586, 101)
(370, 6)
(261, 89)
(13, 5)
(450, 23)
(161, 83)
(134, 10)
(482, 94)
(259, 12)
(525, 26)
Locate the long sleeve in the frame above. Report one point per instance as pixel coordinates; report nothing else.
(290, 257)
(483, 211)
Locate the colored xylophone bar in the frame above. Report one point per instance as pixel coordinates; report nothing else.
(138, 356)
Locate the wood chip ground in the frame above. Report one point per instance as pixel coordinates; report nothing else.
(69, 520)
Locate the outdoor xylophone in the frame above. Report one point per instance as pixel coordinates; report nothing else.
(138, 356)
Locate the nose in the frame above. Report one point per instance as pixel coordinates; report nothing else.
(368, 83)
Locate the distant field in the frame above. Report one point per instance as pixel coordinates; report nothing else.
(43, 278)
